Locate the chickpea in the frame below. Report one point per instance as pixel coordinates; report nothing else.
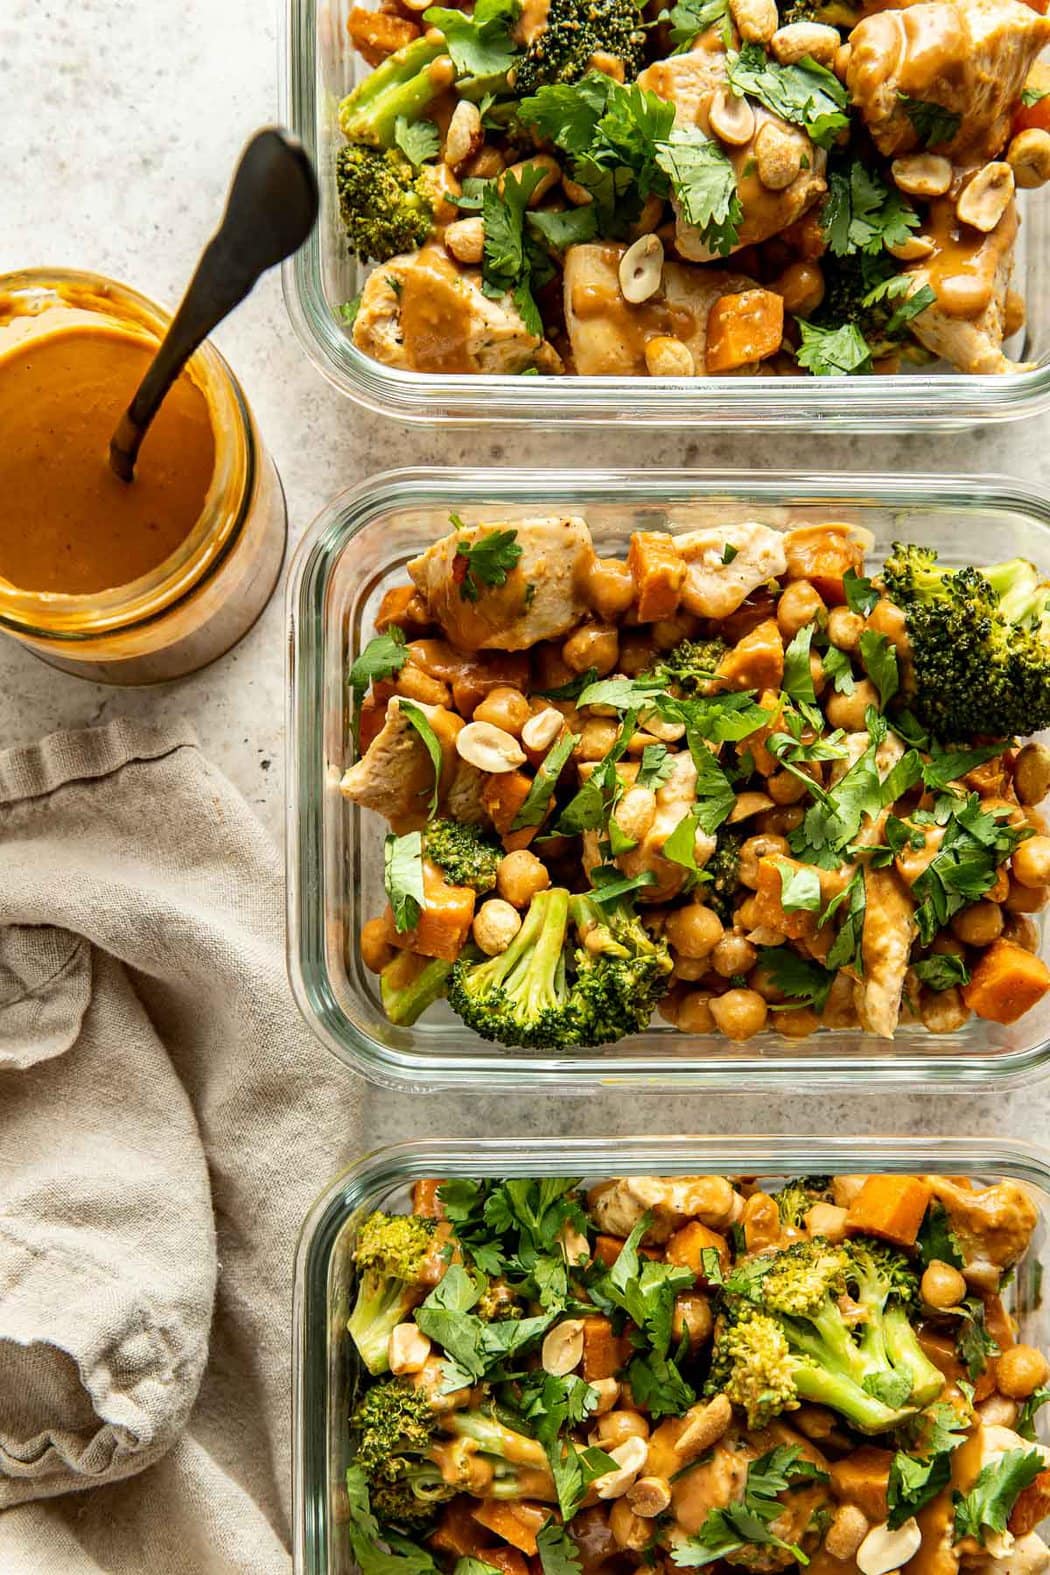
(780, 822)
(845, 628)
(816, 672)
(597, 736)
(636, 654)
(495, 925)
(802, 287)
(520, 876)
(796, 1024)
(609, 588)
(694, 930)
(694, 1015)
(616, 1427)
(947, 946)
(840, 1010)
(1031, 862)
(847, 711)
(692, 1315)
(671, 1005)
(739, 1013)
(376, 950)
(801, 603)
(942, 1286)
(550, 667)
(669, 632)
(888, 619)
(1020, 1371)
(1025, 899)
(630, 1531)
(943, 1011)
(1032, 773)
(506, 708)
(755, 848)
(784, 787)
(595, 645)
(415, 684)
(733, 955)
(978, 925)
(1020, 929)
(689, 969)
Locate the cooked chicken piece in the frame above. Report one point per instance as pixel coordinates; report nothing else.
(1028, 1556)
(617, 1206)
(970, 275)
(395, 777)
(608, 335)
(992, 1226)
(423, 314)
(714, 588)
(674, 800)
(690, 82)
(717, 1480)
(969, 56)
(889, 927)
(541, 598)
(996, 1441)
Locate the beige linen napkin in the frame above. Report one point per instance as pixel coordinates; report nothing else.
(166, 1120)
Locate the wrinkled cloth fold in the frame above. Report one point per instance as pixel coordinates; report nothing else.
(166, 1121)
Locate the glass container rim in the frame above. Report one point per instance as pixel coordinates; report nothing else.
(156, 594)
(937, 401)
(306, 769)
(649, 1153)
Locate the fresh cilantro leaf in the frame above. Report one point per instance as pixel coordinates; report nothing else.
(799, 888)
(729, 552)
(473, 1566)
(846, 949)
(913, 1483)
(861, 595)
(382, 657)
(624, 694)
(412, 712)
(403, 878)
(989, 1503)
(713, 789)
(658, 1387)
(533, 811)
(711, 1264)
(798, 679)
(916, 302)
(1031, 96)
(805, 93)
(574, 1470)
(838, 669)
(974, 1343)
(680, 847)
(609, 885)
(418, 140)
(510, 264)
(690, 18)
(558, 1553)
(573, 689)
(704, 183)
(880, 663)
(975, 843)
(490, 559)
(347, 310)
(746, 1522)
(942, 971)
(1025, 1424)
(933, 123)
(936, 1239)
(399, 1556)
(562, 230)
(833, 352)
(800, 980)
(568, 115)
(590, 807)
(862, 214)
(481, 44)
(644, 1290)
(656, 766)
(947, 765)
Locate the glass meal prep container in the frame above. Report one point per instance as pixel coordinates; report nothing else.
(320, 68)
(359, 547)
(325, 1364)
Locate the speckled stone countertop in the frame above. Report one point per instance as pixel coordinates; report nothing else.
(119, 128)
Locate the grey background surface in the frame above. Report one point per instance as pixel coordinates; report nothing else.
(119, 125)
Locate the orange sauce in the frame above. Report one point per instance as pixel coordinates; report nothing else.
(67, 524)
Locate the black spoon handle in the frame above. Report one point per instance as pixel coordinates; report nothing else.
(271, 209)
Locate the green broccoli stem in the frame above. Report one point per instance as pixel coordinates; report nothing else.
(402, 85)
(908, 1356)
(823, 1387)
(382, 1303)
(495, 1438)
(404, 1005)
(529, 967)
(1017, 585)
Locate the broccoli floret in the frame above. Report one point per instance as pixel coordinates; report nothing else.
(402, 86)
(546, 992)
(724, 869)
(498, 1303)
(468, 855)
(410, 984)
(835, 13)
(690, 667)
(576, 31)
(980, 641)
(383, 202)
(795, 1200)
(847, 282)
(394, 1258)
(834, 1320)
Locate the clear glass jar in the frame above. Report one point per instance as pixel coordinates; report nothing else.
(359, 547)
(324, 1361)
(320, 68)
(209, 592)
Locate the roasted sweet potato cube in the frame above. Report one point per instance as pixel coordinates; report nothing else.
(444, 921)
(862, 1478)
(377, 34)
(688, 1246)
(1006, 982)
(743, 328)
(457, 1531)
(892, 1207)
(657, 569)
(1032, 1506)
(756, 661)
(425, 1200)
(602, 1353)
(517, 1521)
